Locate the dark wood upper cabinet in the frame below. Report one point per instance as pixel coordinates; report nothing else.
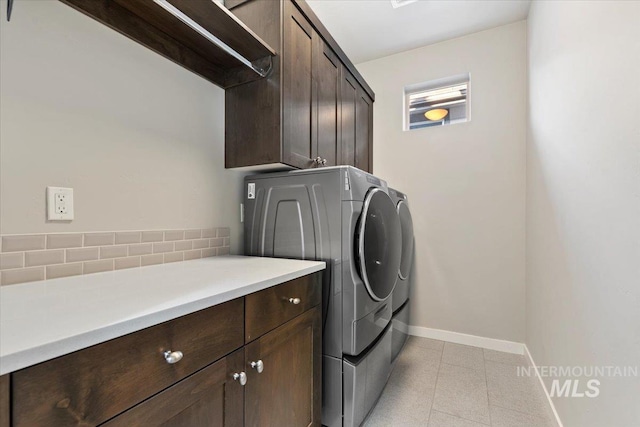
(293, 118)
(293, 98)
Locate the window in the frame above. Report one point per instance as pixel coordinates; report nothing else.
(437, 103)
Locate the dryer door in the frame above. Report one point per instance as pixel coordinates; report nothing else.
(379, 244)
(407, 239)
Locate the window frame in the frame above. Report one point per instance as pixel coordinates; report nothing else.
(434, 85)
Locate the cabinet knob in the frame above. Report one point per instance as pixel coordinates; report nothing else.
(240, 377)
(258, 366)
(173, 356)
(317, 161)
(324, 162)
(294, 301)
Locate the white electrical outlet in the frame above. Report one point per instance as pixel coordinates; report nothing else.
(59, 204)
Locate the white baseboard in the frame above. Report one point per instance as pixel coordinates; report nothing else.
(472, 340)
(544, 387)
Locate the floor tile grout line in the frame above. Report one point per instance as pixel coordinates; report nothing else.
(486, 383)
(433, 397)
(500, 363)
(521, 412)
(462, 418)
(464, 366)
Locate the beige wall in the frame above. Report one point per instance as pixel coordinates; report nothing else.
(583, 200)
(465, 182)
(140, 139)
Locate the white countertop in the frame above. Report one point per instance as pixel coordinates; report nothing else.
(47, 319)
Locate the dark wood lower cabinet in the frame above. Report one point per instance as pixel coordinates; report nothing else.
(283, 395)
(91, 386)
(209, 398)
(129, 381)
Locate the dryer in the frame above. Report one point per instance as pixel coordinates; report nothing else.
(345, 217)
(400, 297)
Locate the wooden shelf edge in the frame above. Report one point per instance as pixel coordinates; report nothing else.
(247, 34)
(223, 70)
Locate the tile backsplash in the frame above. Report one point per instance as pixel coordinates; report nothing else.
(32, 257)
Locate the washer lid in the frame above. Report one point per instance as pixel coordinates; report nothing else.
(406, 223)
(379, 244)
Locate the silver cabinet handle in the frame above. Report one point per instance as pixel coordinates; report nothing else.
(173, 356)
(258, 366)
(294, 301)
(240, 377)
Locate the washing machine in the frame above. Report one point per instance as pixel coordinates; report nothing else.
(345, 217)
(400, 295)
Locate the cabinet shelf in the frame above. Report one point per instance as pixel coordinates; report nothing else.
(200, 35)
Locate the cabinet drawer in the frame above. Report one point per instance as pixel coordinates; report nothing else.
(92, 385)
(270, 308)
(209, 397)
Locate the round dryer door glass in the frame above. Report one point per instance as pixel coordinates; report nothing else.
(407, 239)
(379, 244)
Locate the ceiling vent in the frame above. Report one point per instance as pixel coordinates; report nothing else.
(399, 3)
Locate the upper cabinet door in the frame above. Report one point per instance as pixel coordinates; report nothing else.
(364, 131)
(286, 389)
(348, 98)
(327, 80)
(297, 87)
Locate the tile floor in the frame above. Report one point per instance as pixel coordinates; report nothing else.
(438, 384)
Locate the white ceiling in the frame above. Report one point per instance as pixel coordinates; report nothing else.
(370, 29)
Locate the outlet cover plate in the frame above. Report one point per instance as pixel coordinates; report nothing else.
(59, 204)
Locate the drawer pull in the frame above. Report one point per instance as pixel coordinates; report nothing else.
(258, 366)
(173, 356)
(294, 301)
(240, 377)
